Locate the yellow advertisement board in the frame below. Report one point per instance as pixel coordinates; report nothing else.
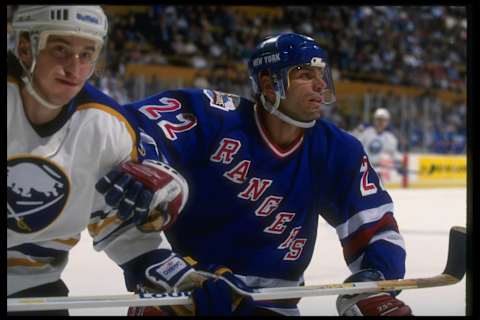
(432, 168)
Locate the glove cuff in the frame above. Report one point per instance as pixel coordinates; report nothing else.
(168, 273)
(158, 268)
(179, 187)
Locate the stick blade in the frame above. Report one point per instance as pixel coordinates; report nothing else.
(456, 253)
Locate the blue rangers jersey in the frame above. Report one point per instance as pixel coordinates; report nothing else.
(253, 206)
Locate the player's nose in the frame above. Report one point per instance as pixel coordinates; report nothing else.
(319, 84)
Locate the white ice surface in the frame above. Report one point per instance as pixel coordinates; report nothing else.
(424, 218)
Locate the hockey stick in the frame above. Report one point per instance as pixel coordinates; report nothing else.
(453, 273)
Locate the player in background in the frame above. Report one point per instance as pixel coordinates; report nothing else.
(63, 135)
(260, 175)
(381, 144)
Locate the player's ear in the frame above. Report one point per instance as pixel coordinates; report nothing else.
(25, 50)
(266, 86)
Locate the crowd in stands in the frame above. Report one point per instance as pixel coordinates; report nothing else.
(422, 46)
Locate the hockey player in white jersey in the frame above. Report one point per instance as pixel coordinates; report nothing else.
(380, 143)
(62, 136)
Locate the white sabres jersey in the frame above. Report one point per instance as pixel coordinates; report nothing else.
(378, 144)
(51, 196)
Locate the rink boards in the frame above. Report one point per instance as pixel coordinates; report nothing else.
(427, 171)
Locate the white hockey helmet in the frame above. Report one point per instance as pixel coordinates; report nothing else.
(39, 22)
(381, 113)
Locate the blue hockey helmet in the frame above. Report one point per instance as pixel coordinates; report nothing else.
(279, 54)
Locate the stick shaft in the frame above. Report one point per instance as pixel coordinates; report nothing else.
(453, 273)
(182, 298)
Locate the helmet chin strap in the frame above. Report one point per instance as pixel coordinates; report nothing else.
(273, 109)
(36, 96)
(28, 80)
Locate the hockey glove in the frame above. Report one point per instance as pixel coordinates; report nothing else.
(151, 193)
(215, 298)
(161, 270)
(370, 304)
(222, 294)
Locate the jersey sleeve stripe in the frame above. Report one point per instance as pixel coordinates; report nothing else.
(118, 245)
(30, 255)
(354, 245)
(350, 226)
(19, 262)
(110, 234)
(96, 229)
(49, 249)
(119, 116)
(391, 236)
(34, 266)
(68, 242)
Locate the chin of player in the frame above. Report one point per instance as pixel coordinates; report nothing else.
(314, 104)
(314, 112)
(63, 96)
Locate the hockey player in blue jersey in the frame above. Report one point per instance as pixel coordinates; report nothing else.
(260, 175)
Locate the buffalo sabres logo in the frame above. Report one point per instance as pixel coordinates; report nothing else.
(375, 146)
(37, 191)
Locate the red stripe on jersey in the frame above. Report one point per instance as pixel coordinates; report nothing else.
(360, 240)
(277, 150)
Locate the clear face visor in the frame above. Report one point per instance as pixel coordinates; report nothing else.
(328, 92)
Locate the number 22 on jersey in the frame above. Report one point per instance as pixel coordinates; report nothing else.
(154, 112)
